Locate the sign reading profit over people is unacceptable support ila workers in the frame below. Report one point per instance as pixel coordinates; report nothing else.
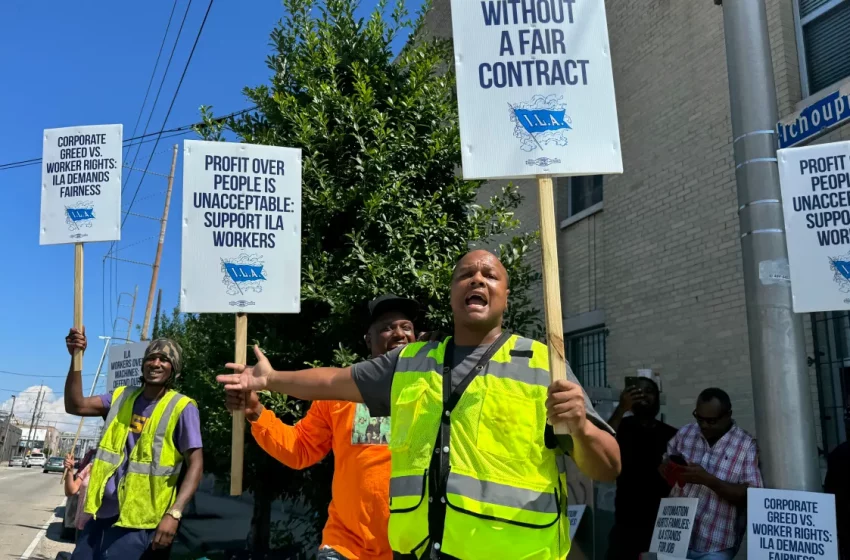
(125, 365)
(535, 88)
(789, 524)
(815, 182)
(241, 228)
(81, 185)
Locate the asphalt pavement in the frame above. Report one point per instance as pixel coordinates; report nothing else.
(31, 501)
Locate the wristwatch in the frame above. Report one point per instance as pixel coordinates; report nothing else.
(175, 513)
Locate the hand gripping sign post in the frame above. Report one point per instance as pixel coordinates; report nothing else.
(785, 524)
(241, 242)
(536, 99)
(815, 183)
(81, 198)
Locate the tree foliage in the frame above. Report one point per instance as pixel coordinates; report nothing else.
(384, 208)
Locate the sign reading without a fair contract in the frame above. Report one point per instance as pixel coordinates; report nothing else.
(125, 365)
(241, 228)
(81, 185)
(535, 88)
(673, 527)
(790, 525)
(815, 182)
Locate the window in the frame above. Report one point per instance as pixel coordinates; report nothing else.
(831, 337)
(823, 40)
(586, 354)
(579, 194)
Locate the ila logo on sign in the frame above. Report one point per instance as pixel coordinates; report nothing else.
(543, 121)
(243, 274)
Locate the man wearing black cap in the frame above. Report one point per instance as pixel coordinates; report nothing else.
(359, 510)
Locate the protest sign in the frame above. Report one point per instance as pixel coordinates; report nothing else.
(241, 228)
(535, 88)
(790, 524)
(673, 526)
(241, 233)
(125, 365)
(81, 184)
(574, 514)
(815, 183)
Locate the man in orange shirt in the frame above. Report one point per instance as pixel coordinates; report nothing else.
(359, 511)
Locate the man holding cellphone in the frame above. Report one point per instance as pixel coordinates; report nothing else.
(721, 463)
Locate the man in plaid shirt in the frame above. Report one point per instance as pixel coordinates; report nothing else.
(722, 462)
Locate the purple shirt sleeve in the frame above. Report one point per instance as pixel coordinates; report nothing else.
(187, 434)
(106, 399)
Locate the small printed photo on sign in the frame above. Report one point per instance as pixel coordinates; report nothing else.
(81, 184)
(241, 228)
(815, 184)
(535, 88)
(790, 524)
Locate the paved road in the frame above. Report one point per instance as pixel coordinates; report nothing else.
(29, 499)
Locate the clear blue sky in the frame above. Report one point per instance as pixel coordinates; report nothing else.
(80, 63)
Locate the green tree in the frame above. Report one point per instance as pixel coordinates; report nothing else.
(383, 210)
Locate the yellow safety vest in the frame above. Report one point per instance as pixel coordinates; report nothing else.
(149, 486)
(501, 493)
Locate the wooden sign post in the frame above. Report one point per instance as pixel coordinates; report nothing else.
(551, 286)
(535, 108)
(245, 260)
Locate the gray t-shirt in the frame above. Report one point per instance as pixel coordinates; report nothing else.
(374, 379)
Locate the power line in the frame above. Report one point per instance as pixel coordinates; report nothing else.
(173, 99)
(39, 375)
(153, 74)
(161, 83)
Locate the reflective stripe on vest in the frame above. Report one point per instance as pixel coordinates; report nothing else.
(504, 493)
(148, 488)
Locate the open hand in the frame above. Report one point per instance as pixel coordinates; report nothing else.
(165, 532)
(629, 397)
(566, 404)
(249, 402)
(76, 340)
(248, 378)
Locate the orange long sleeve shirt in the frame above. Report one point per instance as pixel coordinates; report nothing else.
(359, 510)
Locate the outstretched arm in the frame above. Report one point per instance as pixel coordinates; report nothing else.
(328, 384)
(297, 447)
(75, 402)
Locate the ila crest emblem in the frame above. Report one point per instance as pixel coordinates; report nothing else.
(243, 273)
(841, 267)
(539, 123)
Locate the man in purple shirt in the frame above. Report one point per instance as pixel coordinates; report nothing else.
(101, 538)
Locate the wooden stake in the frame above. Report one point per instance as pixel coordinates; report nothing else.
(237, 443)
(73, 447)
(551, 286)
(78, 301)
(162, 223)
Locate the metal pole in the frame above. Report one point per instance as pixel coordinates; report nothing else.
(783, 405)
(162, 223)
(32, 421)
(6, 432)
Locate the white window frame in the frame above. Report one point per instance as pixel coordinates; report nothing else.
(573, 217)
(799, 23)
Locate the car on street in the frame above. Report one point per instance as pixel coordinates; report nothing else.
(54, 464)
(18, 461)
(35, 460)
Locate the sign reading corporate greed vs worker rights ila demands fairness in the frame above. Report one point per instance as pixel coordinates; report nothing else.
(790, 525)
(81, 184)
(535, 88)
(241, 228)
(815, 183)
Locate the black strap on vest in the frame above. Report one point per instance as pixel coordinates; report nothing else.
(440, 464)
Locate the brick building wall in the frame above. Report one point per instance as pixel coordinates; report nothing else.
(660, 261)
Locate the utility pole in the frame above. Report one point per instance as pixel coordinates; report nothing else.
(156, 315)
(6, 431)
(132, 312)
(32, 421)
(162, 223)
(783, 404)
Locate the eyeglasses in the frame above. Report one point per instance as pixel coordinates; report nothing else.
(709, 421)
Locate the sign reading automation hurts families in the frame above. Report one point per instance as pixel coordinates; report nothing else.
(535, 88)
(241, 228)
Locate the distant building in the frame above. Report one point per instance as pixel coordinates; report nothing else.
(45, 439)
(84, 443)
(8, 441)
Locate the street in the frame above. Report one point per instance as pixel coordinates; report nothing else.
(30, 500)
